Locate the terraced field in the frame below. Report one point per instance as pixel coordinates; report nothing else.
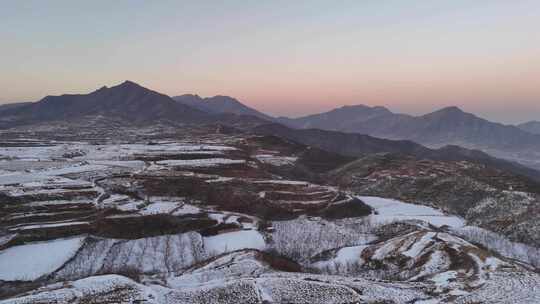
(227, 218)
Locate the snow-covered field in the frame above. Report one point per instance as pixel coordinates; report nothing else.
(33, 260)
(283, 182)
(137, 212)
(276, 160)
(388, 210)
(26, 177)
(210, 162)
(79, 151)
(344, 256)
(231, 241)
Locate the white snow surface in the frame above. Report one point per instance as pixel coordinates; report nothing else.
(210, 162)
(136, 164)
(389, 210)
(282, 182)
(231, 241)
(276, 160)
(350, 254)
(160, 208)
(48, 225)
(100, 289)
(344, 256)
(31, 261)
(24, 177)
(186, 209)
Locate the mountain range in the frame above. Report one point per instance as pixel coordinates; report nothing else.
(449, 127)
(127, 195)
(127, 100)
(357, 145)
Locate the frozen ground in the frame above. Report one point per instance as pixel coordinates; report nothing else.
(200, 162)
(276, 160)
(388, 210)
(33, 260)
(202, 222)
(231, 241)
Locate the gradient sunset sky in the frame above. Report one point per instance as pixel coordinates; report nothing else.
(283, 57)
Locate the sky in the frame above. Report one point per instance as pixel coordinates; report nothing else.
(283, 57)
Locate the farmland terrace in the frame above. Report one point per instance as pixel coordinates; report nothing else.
(232, 217)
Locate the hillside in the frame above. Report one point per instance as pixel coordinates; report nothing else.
(202, 217)
(219, 104)
(531, 127)
(352, 144)
(128, 101)
(448, 126)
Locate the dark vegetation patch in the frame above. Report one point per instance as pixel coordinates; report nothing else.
(10, 289)
(348, 209)
(135, 227)
(219, 228)
(461, 261)
(44, 234)
(320, 161)
(279, 263)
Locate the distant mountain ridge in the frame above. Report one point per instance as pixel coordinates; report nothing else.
(131, 104)
(531, 127)
(338, 119)
(128, 101)
(9, 106)
(219, 104)
(356, 145)
(449, 125)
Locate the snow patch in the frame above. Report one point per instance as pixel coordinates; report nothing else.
(389, 210)
(231, 241)
(31, 261)
(210, 162)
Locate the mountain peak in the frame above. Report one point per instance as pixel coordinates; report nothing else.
(128, 85)
(451, 112)
(128, 100)
(219, 104)
(451, 109)
(102, 89)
